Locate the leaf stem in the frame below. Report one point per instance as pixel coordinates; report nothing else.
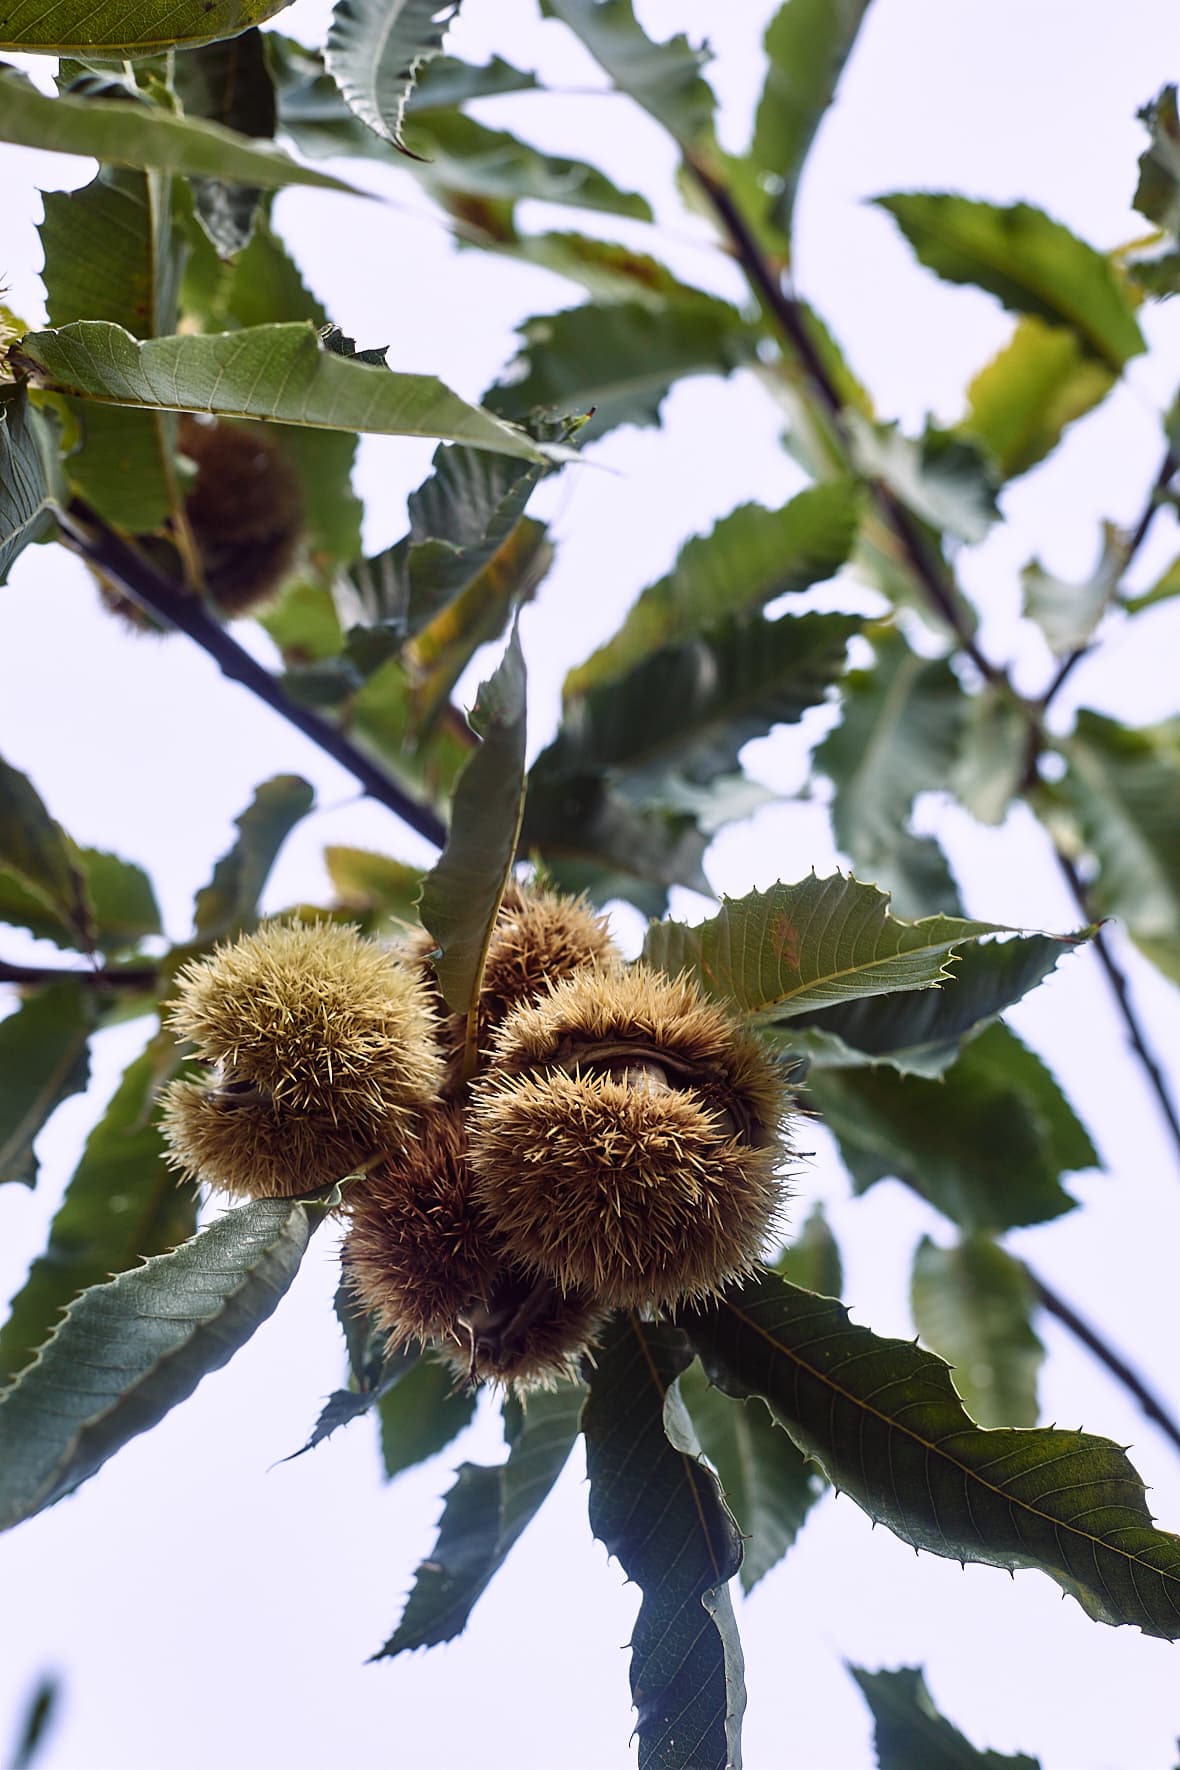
(1152, 1406)
(119, 560)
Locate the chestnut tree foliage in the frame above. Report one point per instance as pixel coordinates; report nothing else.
(711, 1429)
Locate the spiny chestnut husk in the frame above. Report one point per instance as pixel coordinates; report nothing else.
(422, 1262)
(325, 1047)
(539, 938)
(625, 1139)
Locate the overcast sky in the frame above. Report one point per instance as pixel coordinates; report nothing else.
(208, 1608)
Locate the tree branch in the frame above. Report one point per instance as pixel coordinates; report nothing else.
(120, 561)
(1118, 1367)
(96, 976)
(1122, 995)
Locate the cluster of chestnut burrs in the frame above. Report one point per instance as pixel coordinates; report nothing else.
(617, 1145)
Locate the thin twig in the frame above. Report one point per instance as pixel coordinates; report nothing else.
(121, 562)
(1122, 995)
(95, 976)
(1118, 1367)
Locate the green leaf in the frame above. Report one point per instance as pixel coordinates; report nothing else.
(1120, 792)
(43, 1060)
(921, 1033)
(304, 624)
(658, 1509)
(1165, 587)
(986, 1144)
(30, 477)
(228, 83)
(807, 43)
(591, 838)
(262, 372)
(688, 708)
(421, 1414)
(382, 718)
(609, 271)
(114, 29)
(908, 1729)
(794, 948)
(486, 1511)
(123, 1203)
(461, 897)
(973, 1305)
(620, 360)
(1067, 613)
(749, 558)
(991, 768)
(665, 78)
(1029, 262)
(1157, 194)
(444, 82)
(1020, 403)
(230, 900)
(943, 477)
(812, 1260)
(374, 51)
(40, 858)
(900, 731)
(129, 1351)
(125, 907)
(133, 134)
(768, 1484)
(374, 885)
(882, 1418)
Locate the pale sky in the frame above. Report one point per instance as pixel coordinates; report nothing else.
(210, 1609)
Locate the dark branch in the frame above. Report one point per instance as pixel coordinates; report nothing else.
(1118, 1367)
(1122, 995)
(788, 318)
(133, 977)
(120, 561)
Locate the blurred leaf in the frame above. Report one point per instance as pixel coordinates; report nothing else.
(991, 768)
(749, 557)
(592, 839)
(899, 734)
(812, 1260)
(123, 908)
(129, 1351)
(767, 1483)
(374, 51)
(39, 1715)
(303, 623)
(687, 709)
(1156, 273)
(1029, 262)
(461, 896)
(1162, 590)
(1157, 194)
(123, 1203)
(1066, 613)
(807, 43)
(444, 82)
(973, 1304)
(40, 859)
(665, 78)
(881, 1417)
(227, 83)
(30, 475)
(607, 270)
(656, 1506)
(485, 1512)
(230, 900)
(262, 372)
(466, 164)
(373, 884)
(1019, 404)
(943, 478)
(920, 1033)
(779, 953)
(43, 1060)
(421, 1414)
(132, 134)
(987, 1143)
(1120, 790)
(908, 1729)
(381, 717)
(620, 360)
